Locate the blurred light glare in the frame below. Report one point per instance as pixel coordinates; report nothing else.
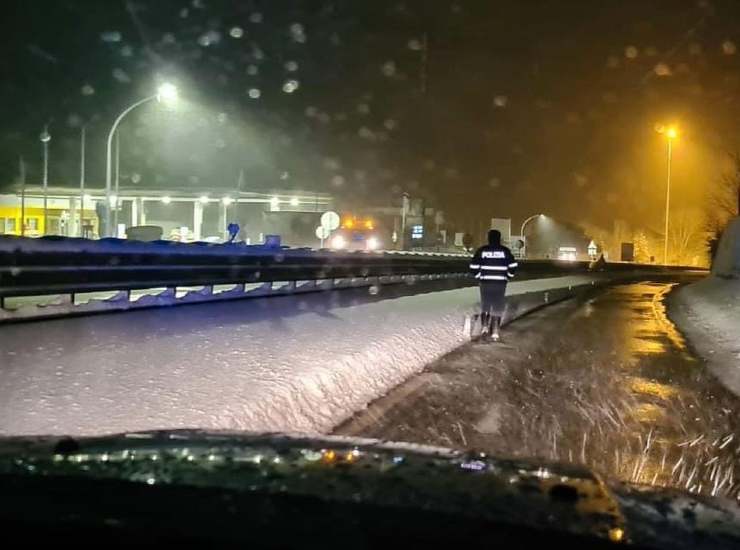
(166, 200)
(167, 93)
(204, 199)
(274, 202)
(338, 242)
(294, 201)
(672, 133)
(227, 201)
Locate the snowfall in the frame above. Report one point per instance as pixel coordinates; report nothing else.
(708, 312)
(291, 364)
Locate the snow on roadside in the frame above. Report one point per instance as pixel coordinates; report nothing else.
(708, 312)
(292, 364)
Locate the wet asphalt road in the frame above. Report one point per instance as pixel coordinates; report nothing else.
(604, 380)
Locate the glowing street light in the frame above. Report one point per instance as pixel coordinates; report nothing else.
(671, 133)
(529, 219)
(166, 94)
(45, 138)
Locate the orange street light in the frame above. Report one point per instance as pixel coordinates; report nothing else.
(671, 132)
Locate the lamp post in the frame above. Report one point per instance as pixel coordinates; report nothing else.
(529, 219)
(45, 138)
(166, 93)
(670, 133)
(83, 135)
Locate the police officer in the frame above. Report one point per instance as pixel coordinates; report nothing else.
(493, 265)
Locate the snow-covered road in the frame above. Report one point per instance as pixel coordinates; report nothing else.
(294, 363)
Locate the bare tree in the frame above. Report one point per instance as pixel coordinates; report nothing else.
(724, 198)
(687, 238)
(723, 203)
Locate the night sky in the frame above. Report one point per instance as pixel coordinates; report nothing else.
(482, 107)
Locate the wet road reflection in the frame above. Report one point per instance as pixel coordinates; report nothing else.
(608, 382)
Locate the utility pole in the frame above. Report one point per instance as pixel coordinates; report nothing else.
(22, 174)
(82, 179)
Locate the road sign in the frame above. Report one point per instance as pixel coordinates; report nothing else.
(322, 232)
(330, 220)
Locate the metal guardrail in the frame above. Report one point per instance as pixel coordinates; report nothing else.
(84, 276)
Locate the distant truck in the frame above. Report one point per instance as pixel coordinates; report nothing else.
(355, 233)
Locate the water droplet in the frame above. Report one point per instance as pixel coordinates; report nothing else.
(662, 69)
(337, 181)
(500, 101)
(290, 86)
(366, 133)
(236, 32)
(363, 108)
(253, 70)
(87, 90)
(291, 66)
(728, 47)
(254, 93)
(311, 111)
(135, 178)
(390, 124)
(110, 36)
(210, 38)
(415, 45)
(631, 52)
(388, 68)
(121, 76)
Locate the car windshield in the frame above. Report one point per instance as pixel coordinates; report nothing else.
(471, 224)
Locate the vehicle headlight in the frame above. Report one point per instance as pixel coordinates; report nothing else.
(338, 242)
(373, 243)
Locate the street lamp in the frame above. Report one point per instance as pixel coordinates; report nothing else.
(529, 219)
(166, 93)
(45, 138)
(671, 133)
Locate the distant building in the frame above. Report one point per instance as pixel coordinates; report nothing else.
(182, 215)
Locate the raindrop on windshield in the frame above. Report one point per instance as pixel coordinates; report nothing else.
(290, 86)
(121, 76)
(110, 36)
(389, 68)
(254, 93)
(236, 32)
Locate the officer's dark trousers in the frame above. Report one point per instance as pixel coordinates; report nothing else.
(493, 298)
